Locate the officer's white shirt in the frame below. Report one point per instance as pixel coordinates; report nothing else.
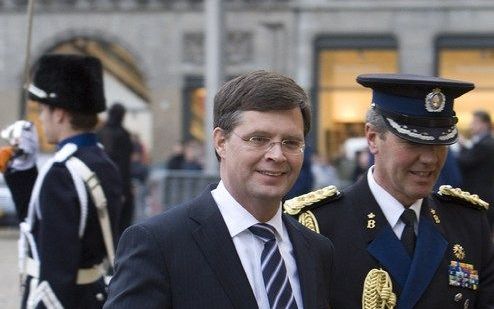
(391, 208)
(249, 247)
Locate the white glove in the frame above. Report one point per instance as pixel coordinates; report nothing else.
(24, 137)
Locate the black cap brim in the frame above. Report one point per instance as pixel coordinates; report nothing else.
(423, 135)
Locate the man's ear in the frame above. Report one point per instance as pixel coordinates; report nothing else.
(371, 135)
(59, 115)
(219, 141)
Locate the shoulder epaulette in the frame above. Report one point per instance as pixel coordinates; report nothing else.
(473, 200)
(295, 205)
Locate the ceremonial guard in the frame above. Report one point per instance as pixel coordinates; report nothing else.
(70, 206)
(397, 244)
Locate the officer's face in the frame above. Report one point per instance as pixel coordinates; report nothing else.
(407, 170)
(258, 178)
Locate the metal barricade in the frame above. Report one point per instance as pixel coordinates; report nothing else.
(168, 188)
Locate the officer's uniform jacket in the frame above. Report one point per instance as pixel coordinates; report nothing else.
(451, 231)
(67, 237)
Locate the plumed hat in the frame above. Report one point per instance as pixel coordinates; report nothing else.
(72, 82)
(417, 108)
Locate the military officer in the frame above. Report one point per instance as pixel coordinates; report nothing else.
(70, 206)
(397, 245)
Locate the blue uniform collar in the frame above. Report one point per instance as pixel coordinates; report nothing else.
(81, 140)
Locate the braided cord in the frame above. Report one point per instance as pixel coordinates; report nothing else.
(378, 291)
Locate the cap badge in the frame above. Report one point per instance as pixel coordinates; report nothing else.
(435, 101)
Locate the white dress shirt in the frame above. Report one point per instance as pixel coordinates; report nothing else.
(249, 247)
(391, 208)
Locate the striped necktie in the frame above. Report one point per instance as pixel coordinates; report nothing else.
(273, 268)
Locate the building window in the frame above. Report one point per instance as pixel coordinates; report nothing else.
(193, 110)
(469, 59)
(341, 103)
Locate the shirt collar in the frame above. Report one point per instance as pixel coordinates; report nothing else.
(81, 140)
(391, 207)
(236, 217)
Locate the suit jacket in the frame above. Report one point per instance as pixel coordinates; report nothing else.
(56, 232)
(477, 168)
(185, 258)
(364, 240)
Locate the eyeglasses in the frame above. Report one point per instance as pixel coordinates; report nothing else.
(262, 143)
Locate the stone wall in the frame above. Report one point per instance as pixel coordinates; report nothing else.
(167, 39)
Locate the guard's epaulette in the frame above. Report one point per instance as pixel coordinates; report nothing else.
(310, 200)
(449, 193)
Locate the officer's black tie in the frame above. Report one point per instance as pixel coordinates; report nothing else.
(408, 236)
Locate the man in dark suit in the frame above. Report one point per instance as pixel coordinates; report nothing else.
(477, 161)
(117, 143)
(231, 247)
(396, 244)
(63, 250)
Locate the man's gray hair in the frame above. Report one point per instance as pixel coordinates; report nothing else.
(376, 120)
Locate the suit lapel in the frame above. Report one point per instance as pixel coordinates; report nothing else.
(306, 270)
(391, 254)
(429, 253)
(213, 238)
(382, 242)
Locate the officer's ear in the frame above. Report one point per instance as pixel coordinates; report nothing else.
(371, 135)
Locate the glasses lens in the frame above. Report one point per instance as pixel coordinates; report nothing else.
(292, 147)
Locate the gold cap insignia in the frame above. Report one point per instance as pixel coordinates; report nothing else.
(435, 101)
(459, 252)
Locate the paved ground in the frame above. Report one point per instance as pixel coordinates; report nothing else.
(9, 279)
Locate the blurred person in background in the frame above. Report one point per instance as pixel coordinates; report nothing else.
(176, 158)
(450, 173)
(139, 173)
(305, 180)
(186, 155)
(117, 143)
(139, 162)
(361, 164)
(193, 155)
(73, 202)
(476, 159)
(325, 174)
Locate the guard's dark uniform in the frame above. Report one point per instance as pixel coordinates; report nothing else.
(62, 252)
(451, 263)
(451, 231)
(62, 244)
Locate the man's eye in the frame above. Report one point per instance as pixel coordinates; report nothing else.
(292, 144)
(259, 140)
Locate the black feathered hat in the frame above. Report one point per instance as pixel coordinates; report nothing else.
(72, 82)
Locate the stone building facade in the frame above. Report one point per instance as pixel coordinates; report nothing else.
(155, 49)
